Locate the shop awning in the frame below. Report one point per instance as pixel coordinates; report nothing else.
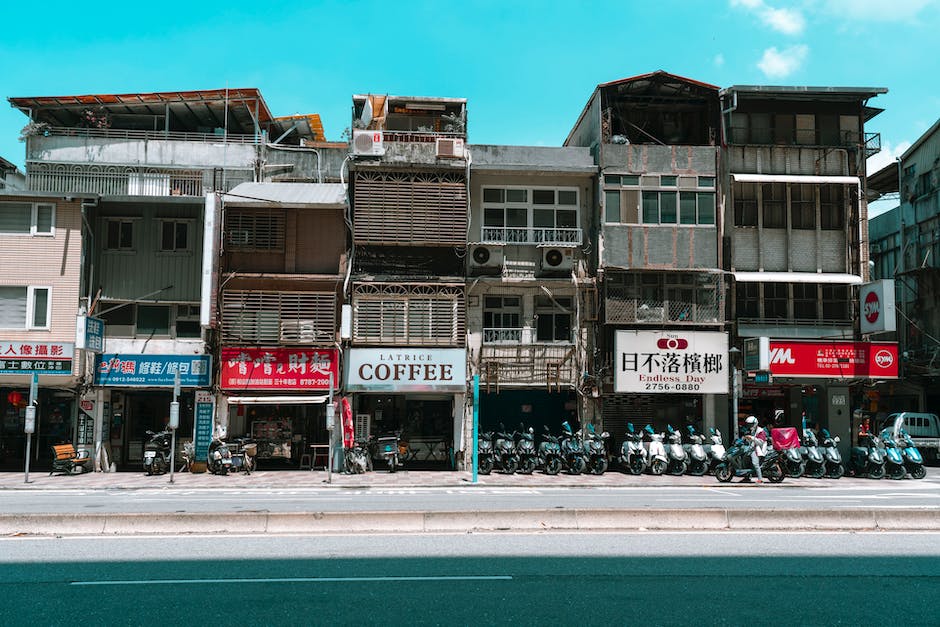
(794, 178)
(277, 400)
(797, 277)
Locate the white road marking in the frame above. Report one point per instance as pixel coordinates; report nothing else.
(148, 582)
(725, 492)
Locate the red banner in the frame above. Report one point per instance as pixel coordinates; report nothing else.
(834, 359)
(279, 368)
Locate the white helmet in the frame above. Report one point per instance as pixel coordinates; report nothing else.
(750, 421)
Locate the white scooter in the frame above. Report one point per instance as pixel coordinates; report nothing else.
(657, 452)
(716, 450)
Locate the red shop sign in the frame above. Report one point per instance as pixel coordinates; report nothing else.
(834, 359)
(278, 368)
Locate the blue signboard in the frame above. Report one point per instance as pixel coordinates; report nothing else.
(153, 370)
(202, 429)
(94, 334)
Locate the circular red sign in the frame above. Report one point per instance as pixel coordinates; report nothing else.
(884, 358)
(871, 307)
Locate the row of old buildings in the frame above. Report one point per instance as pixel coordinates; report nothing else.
(689, 255)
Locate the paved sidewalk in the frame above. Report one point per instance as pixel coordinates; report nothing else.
(275, 479)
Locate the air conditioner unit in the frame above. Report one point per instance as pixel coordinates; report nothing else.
(368, 143)
(557, 259)
(485, 257)
(449, 148)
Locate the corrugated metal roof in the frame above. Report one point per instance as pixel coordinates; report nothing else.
(658, 73)
(307, 126)
(295, 194)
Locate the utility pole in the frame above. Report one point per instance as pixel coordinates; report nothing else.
(174, 421)
(30, 425)
(476, 425)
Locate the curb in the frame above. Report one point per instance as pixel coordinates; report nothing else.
(249, 523)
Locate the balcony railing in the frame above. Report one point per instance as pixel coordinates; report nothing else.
(627, 310)
(529, 364)
(530, 235)
(130, 181)
(126, 134)
(496, 336)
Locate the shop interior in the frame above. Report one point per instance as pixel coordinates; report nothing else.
(133, 413)
(284, 433)
(53, 426)
(426, 423)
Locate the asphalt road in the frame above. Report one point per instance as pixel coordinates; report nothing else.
(884, 494)
(480, 579)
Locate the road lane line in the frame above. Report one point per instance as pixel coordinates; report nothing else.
(146, 582)
(723, 492)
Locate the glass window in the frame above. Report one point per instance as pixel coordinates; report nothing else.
(630, 179)
(120, 235)
(493, 195)
(45, 219)
(804, 301)
(612, 206)
(687, 208)
(831, 207)
(650, 207)
(745, 204)
(774, 201)
(803, 206)
(493, 217)
(40, 308)
(553, 319)
(13, 307)
(706, 208)
(835, 302)
(543, 196)
(567, 197)
(775, 300)
(502, 317)
(667, 181)
(706, 181)
(15, 217)
(517, 195)
(747, 300)
(175, 236)
(612, 179)
(667, 208)
(153, 320)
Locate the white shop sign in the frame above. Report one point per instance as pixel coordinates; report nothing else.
(406, 370)
(671, 362)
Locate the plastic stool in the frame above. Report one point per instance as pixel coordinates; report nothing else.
(306, 462)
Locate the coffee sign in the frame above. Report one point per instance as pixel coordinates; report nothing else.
(407, 370)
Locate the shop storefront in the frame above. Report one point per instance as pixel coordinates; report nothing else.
(825, 380)
(136, 392)
(667, 378)
(55, 410)
(277, 397)
(417, 391)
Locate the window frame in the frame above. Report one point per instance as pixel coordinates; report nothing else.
(555, 309)
(531, 234)
(33, 219)
(30, 309)
(501, 312)
(675, 186)
(176, 222)
(121, 221)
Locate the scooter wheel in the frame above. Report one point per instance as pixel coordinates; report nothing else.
(697, 468)
(723, 473)
(485, 465)
(836, 471)
(677, 469)
(795, 471)
(552, 466)
(876, 472)
(577, 466)
(658, 467)
(526, 466)
(150, 470)
(510, 465)
(636, 466)
(919, 472)
(818, 472)
(897, 473)
(775, 473)
(598, 466)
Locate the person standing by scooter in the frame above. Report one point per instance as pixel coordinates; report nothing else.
(758, 447)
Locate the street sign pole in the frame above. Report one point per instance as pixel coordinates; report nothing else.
(30, 426)
(174, 421)
(330, 429)
(476, 425)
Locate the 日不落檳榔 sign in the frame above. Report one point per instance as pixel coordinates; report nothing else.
(660, 362)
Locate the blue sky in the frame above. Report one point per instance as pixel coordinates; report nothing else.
(527, 68)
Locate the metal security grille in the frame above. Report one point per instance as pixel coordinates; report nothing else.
(663, 297)
(410, 208)
(254, 230)
(256, 318)
(409, 315)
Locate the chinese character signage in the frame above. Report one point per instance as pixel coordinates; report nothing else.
(279, 368)
(36, 358)
(203, 422)
(653, 362)
(407, 369)
(153, 370)
(834, 359)
(91, 334)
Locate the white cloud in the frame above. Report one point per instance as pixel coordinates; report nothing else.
(719, 60)
(786, 21)
(876, 10)
(888, 154)
(781, 63)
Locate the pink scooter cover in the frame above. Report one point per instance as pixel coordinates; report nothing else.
(784, 438)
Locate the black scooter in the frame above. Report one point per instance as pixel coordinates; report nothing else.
(157, 452)
(738, 464)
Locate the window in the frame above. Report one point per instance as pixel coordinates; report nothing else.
(553, 319)
(831, 207)
(688, 207)
(25, 307)
(804, 301)
(747, 300)
(502, 319)
(27, 218)
(803, 206)
(773, 204)
(119, 234)
(745, 204)
(248, 231)
(612, 206)
(835, 302)
(775, 300)
(153, 320)
(174, 236)
(521, 215)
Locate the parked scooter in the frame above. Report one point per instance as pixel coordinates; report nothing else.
(788, 446)
(243, 455)
(658, 462)
(913, 460)
(834, 467)
(504, 451)
(868, 458)
(695, 452)
(525, 450)
(678, 461)
(894, 460)
(485, 458)
(572, 450)
(813, 460)
(550, 458)
(219, 459)
(157, 452)
(356, 459)
(716, 450)
(391, 448)
(738, 464)
(595, 451)
(632, 454)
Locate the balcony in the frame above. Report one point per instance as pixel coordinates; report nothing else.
(641, 311)
(528, 364)
(526, 235)
(502, 336)
(130, 181)
(660, 246)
